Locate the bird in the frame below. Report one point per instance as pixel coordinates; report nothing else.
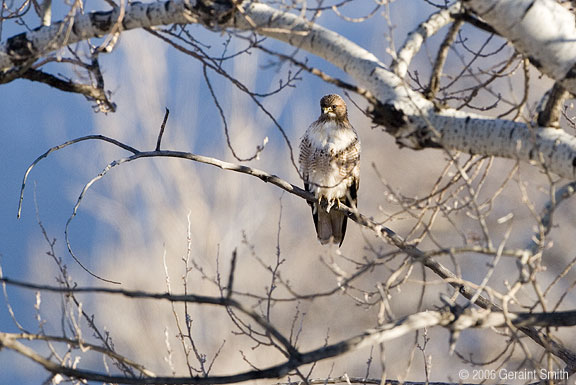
(330, 168)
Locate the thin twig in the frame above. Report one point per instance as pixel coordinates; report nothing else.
(389, 331)
(162, 127)
(384, 232)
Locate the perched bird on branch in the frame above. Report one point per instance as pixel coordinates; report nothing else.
(330, 166)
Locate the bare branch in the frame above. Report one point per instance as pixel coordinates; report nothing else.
(455, 322)
(162, 127)
(387, 234)
(463, 212)
(441, 59)
(416, 38)
(412, 119)
(550, 115)
(91, 93)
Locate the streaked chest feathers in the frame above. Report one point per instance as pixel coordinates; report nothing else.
(329, 159)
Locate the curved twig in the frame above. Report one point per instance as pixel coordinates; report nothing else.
(61, 146)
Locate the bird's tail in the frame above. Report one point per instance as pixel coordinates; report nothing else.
(330, 226)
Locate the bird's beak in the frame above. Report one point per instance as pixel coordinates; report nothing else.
(327, 110)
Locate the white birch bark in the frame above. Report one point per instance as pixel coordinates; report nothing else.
(408, 116)
(416, 38)
(542, 30)
(414, 121)
(46, 39)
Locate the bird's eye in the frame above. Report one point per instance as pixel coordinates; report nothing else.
(334, 106)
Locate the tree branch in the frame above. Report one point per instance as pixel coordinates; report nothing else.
(416, 38)
(455, 320)
(413, 120)
(542, 30)
(387, 234)
(552, 109)
(91, 93)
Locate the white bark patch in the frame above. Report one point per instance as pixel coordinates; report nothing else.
(543, 30)
(549, 148)
(417, 37)
(96, 24)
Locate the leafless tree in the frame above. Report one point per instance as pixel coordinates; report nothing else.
(458, 267)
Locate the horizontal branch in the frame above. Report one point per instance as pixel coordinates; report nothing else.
(26, 47)
(11, 337)
(199, 299)
(470, 318)
(360, 380)
(454, 321)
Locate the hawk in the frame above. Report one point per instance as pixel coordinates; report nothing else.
(330, 166)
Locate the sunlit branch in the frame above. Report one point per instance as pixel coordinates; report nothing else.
(84, 345)
(535, 33)
(416, 38)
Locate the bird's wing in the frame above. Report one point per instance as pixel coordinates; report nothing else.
(304, 159)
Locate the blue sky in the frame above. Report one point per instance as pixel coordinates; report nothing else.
(36, 117)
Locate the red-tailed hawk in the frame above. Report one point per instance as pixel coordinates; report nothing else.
(330, 166)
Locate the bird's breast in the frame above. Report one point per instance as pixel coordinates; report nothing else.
(331, 137)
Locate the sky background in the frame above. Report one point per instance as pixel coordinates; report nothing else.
(138, 210)
(145, 76)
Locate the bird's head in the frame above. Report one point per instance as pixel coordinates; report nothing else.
(333, 107)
